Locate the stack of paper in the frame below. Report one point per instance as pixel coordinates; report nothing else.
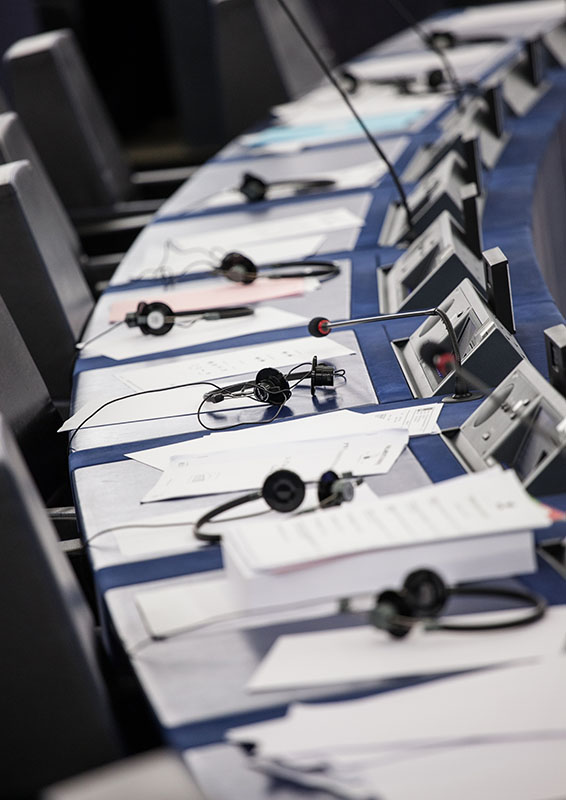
(468, 528)
(496, 734)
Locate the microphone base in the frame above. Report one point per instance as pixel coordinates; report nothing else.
(462, 398)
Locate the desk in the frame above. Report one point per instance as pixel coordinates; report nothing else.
(195, 682)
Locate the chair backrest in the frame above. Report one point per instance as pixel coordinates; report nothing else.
(40, 281)
(4, 105)
(54, 708)
(27, 408)
(55, 95)
(16, 145)
(297, 67)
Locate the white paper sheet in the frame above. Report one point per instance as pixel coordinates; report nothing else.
(224, 364)
(468, 506)
(359, 176)
(468, 61)
(125, 342)
(182, 401)
(167, 611)
(264, 241)
(497, 733)
(418, 420)
(247, 469)
(361, 654)
(523, 698)
(313, 427)
(170, 260)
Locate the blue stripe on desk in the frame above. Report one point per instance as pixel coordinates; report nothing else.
(118, 452)
(176, 566)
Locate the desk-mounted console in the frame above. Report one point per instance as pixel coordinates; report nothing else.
(487, 349)
(439, 190)
(520, 425)
(482, 117)
(524, 84)
(432, 266)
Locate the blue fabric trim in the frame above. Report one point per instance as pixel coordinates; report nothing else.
(159, 568)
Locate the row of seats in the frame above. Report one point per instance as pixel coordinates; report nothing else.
(66, 709)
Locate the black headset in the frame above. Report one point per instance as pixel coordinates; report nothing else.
(238, 267)
(284, 491)
(157, 319)
(272, 387)
(255, 188)
(434, 80)
(424, 595)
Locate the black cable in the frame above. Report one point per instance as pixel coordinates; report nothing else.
(137, 394)
(371, 139)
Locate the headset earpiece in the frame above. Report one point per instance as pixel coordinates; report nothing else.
(283, 490)
(155, 319)
(426, 592)
(253, 187)
(435, 79)
(271, 387)
(333, 491)
(423, 596)
(238, 267)
(392, 613)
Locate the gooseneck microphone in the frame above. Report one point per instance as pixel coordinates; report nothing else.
(431, 43)
(320, 326)
(369, 136)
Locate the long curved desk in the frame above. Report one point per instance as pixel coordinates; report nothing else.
(195, 681)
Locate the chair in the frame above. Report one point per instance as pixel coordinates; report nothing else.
(32, 417)
(55, 710)
(15, 145)
(40, 280)
(159, 773)
(54, 93)
(218, 48)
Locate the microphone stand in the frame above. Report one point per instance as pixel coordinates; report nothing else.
(320, 326)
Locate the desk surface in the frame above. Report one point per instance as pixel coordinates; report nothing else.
(195, 682)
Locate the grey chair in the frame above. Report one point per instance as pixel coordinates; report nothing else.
(56, 714)
(157, 774)
(15, 145)
(27, 408)
(232, 60)
(54, 93)
(40, 281)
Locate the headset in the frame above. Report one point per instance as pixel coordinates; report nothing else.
(284, 491)
(255, 188)
(424, 595)
(157, 319)
(272, 387)
(435, 80)
(240, 268)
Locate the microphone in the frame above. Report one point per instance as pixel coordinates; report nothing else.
(321, 326)
(343, 94)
